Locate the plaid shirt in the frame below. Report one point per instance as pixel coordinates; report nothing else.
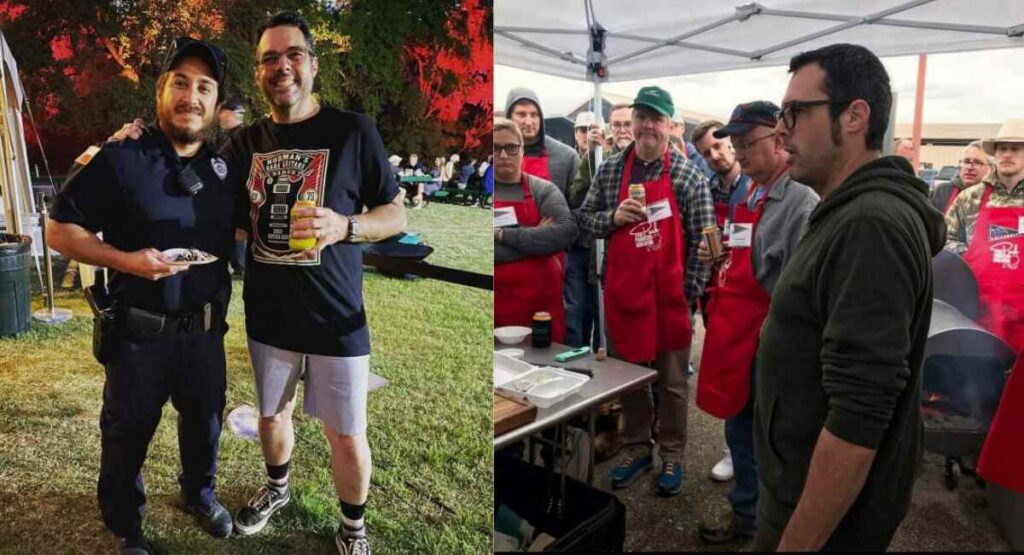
(692, 196)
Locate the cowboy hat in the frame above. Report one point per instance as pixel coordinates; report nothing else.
(1011, 132)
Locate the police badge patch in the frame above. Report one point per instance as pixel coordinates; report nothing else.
(219, 167)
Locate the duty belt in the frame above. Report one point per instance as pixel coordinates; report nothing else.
(157, 323)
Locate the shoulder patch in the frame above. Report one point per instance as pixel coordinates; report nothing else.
(85, 157)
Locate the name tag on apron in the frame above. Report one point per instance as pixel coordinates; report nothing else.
(659, 211)
(505, 217)
(1020, 225)
(740, 235)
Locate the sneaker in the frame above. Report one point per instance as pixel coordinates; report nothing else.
(351, 545)
(670, 481)
(726, 529)
(722, 471)
(134, 546)
(253, 517)
(215, 519)
(632, 466)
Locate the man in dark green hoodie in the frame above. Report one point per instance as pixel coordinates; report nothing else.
(837, 429)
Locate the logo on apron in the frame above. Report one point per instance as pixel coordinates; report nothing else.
(646, 236)
(724, 270)
(1006, 254)
(997, 232)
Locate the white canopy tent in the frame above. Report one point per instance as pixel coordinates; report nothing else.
(662, 38)
(15, 181)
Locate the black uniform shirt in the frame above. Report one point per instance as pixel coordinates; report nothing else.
(130, 192)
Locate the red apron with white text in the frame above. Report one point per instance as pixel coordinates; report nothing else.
(1002, 457)
(537, 166)
(736, 309)
(995, 258)
(645, 304)
(531, 284)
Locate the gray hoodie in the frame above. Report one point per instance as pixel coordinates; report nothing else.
(562, 159)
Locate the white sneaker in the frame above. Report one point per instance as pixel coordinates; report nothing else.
(722, 472)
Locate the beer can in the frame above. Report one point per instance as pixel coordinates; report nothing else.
(636, 192)
(541, 330)
(714, 240)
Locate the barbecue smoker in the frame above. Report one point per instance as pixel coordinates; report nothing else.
(964, 370)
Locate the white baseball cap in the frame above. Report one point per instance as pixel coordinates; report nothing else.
(585, 119)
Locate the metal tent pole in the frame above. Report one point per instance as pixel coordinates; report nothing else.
(50, 314)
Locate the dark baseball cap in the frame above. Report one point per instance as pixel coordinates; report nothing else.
(657, 99)
(183, 47)
(746, 117)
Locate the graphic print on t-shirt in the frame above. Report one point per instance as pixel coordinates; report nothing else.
(277, 179)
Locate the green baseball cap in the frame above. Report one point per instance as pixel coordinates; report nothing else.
(657, 99)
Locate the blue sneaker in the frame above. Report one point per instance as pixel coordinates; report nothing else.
(670, 481)
(632, 466)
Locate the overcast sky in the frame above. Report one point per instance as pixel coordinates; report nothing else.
(964, 87)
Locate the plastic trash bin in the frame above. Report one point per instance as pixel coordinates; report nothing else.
(15, 290)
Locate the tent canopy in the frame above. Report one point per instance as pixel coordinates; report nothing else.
(661, 38)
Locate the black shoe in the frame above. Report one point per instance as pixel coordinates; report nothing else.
(253, 517)
(215, 519)
(134, 546)
(727, 529)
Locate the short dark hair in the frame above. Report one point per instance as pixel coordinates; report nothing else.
(290, 19)
(703, 129)
(853, 72)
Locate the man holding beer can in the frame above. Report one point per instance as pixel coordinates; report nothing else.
(766, 227)
(648, 290)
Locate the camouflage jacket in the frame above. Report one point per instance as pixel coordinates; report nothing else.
(963, 215)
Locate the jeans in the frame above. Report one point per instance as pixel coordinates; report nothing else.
(739, 436)
(581, 325)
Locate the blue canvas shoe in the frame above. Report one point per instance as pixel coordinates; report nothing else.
(670, 481)
(636, 463)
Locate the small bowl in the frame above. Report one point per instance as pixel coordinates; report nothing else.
(510, 335)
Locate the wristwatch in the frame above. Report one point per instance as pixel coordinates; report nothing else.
(353, 230)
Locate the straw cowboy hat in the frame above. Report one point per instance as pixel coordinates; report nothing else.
(395, 159)
(1011, 132)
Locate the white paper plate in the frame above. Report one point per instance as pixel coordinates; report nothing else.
(173, 254)
(514, 353)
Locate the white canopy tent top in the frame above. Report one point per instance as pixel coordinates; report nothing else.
(15, 180)
(661, 38)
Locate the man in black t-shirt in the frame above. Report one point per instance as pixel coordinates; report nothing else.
(309, 303)
(163, 329)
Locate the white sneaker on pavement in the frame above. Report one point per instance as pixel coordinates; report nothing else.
(722, 472)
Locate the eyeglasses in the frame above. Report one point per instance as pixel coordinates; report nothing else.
(511, 149)
(967, 162)
(295, 56)
(620, 125)
(790, 110)
(743, 147)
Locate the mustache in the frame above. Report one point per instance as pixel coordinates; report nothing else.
(190, 108)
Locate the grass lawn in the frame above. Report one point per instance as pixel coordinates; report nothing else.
(430, 429)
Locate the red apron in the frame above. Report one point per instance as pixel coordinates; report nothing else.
(736, 309)
(537, 166)
(995, 258)
(1002, 456)
(645, 305)
(531, 284)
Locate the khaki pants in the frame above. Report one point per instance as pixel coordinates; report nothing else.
(638, 408)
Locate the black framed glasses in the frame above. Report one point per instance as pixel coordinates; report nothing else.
(295, 56)
(790, 110)
(510, 149)
(968, 162)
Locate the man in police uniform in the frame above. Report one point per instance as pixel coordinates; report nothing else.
(165, 335)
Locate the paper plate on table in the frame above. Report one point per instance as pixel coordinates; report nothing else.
(242, 422)
(187, 257)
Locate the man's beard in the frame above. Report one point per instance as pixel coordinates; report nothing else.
(185, 135)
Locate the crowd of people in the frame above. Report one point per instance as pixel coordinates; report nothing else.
(816, 303)
(454, 174)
